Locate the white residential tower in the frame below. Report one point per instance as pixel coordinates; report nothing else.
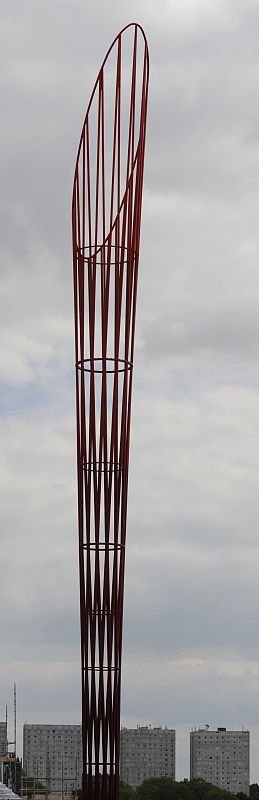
(52, 754)
(146, 753)
(221, 757)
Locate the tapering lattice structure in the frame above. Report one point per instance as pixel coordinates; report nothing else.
(106, 217)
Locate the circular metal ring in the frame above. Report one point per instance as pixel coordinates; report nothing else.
(127, 365)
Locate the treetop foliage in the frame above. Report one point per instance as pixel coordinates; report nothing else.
(168, 789)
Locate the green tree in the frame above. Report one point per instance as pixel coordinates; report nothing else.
(168, 789)
(126, 792)
(157, 789)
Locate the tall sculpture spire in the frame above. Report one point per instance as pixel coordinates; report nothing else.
(106, 218)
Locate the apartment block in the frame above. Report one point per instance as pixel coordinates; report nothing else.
(146, 752)
(221, 757)
(52, 754)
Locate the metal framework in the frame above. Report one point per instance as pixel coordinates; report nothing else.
(106, 218)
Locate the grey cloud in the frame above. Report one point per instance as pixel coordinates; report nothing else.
(192, 554)
(237, 334)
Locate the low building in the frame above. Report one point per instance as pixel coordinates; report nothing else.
(146, 752)
(221, 757)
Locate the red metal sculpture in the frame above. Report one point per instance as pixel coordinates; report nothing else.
(106, 217)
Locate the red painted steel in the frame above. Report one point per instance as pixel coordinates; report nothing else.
(106, 217)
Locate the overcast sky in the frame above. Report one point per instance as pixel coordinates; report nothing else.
(191, 650)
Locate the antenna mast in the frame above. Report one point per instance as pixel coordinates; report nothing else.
(14, 712)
